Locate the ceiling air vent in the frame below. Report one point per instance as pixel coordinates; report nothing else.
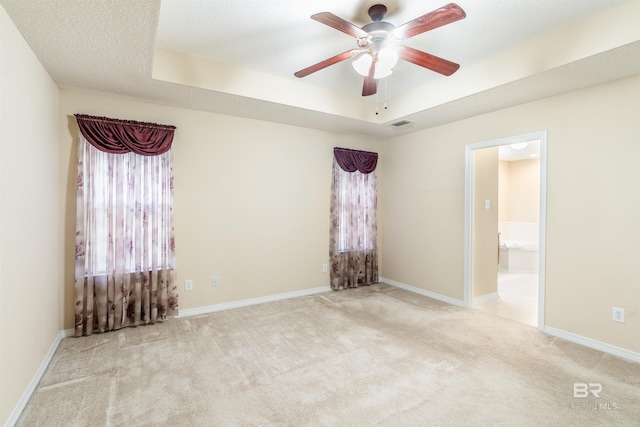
(401, 123)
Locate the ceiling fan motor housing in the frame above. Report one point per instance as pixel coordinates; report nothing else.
(378, 33)
(379, 28)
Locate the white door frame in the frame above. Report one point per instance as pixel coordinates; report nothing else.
(468, 214)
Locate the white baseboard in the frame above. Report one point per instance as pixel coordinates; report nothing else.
(486, 297)
(15, 414)
(448, 300)
(623, 353)
(252, 301)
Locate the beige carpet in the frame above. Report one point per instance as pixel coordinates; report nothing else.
(370, 356)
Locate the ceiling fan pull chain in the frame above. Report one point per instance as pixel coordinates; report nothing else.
(385, 93)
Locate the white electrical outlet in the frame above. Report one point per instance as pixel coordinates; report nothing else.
(188, 285)
(214, 281)
(325, 268)
(618, 314)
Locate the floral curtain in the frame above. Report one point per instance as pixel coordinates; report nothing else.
(125, 253)
(353, 234)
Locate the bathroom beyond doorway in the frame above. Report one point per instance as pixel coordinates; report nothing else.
(524, 301)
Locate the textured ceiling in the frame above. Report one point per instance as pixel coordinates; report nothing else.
(238, 57)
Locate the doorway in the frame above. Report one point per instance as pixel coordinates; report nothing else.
(511, 286)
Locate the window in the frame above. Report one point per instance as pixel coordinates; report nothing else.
(129, 216)
(356, 205)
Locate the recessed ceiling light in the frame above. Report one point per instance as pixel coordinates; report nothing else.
(518, 145)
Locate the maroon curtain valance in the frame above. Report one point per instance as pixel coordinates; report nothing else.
(352, 160)
(122, 136)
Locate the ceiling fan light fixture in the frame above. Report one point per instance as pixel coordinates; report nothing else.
(387, 59)
(362, 64)
(382, 72)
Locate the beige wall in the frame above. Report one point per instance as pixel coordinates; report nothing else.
(523, 199)
(423, 212)
(593, 206)
(251, 199)
(485, 225)
(503, 190)
(30, 216)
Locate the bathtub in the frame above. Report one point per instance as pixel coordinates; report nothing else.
(518, 257)
(518, 246)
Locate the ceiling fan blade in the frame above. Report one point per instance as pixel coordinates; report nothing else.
(324, 64)
(370, 85)
(340, 24)
(426, 60)
(437, 18)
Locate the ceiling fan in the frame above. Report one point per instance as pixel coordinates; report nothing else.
(378, 46)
